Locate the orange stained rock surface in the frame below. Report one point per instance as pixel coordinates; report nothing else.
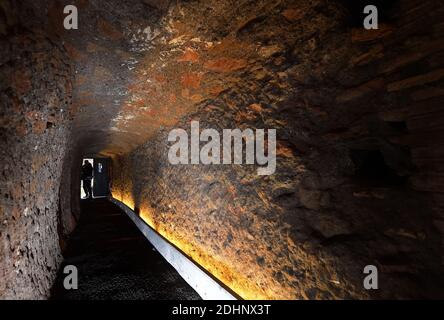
(221, 268)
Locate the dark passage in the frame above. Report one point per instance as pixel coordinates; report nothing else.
(115, 261)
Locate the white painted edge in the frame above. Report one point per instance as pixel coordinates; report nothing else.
(207, 287)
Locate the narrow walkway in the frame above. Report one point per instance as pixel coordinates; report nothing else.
(115, 261)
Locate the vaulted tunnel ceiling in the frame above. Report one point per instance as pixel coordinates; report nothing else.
(142, 65)
(358, 115)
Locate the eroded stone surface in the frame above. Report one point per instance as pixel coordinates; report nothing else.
(35, 111)
(359, 124)
(308, 230)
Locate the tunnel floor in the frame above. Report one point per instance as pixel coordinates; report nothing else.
(115, 261)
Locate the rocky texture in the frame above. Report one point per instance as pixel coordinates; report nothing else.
(359, 124)
(349, 189)
(35, 101)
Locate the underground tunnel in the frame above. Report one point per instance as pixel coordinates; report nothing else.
(266, 149)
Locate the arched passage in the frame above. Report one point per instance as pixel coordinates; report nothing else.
(358, 120)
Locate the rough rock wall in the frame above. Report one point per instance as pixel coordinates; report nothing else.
(35, 98)
(357, 115)
(69, 208)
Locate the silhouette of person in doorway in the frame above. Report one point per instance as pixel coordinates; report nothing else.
(87, 176)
